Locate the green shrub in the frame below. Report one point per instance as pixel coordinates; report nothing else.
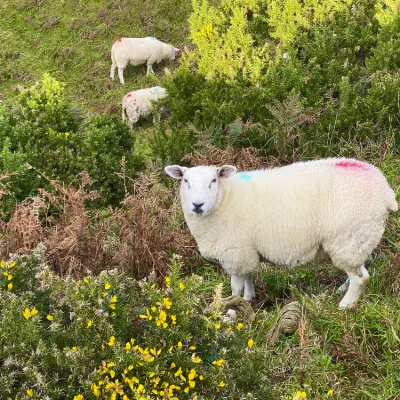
(106, 142)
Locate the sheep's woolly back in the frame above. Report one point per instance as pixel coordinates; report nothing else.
(291, 214)
(137, 104)
(137, 51)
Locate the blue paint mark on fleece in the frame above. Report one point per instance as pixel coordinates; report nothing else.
(245, 176)
(151, 38)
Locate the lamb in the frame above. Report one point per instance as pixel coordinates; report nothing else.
(137, 104)
(292, 215)
(139, 51)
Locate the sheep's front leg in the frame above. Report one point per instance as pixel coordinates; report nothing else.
(149, 69)
(237, 284)
(249, 292)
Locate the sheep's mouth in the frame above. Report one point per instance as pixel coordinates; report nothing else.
(197, 211)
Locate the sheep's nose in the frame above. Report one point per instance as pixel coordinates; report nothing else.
(197, 207)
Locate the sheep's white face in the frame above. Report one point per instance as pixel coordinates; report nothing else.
(173, 53)
(199, 186)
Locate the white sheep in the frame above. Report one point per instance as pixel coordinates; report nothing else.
(137, 104)
(292, 215)
(137, 51)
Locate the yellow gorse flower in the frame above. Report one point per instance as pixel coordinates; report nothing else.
(221, 384)
(239, 326)
(90, 323)
(49, 317)
(29, 313)
(79, 397)
(196, 359)
(29, 392)
(205, 32)
(111, 342)
(107, 286)
(330, 392)
(147, 316)
(218, 363)
(9, 286)
(250, 343)
(167, 303)
(181, 286)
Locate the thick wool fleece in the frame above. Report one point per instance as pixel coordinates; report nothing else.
(137, 104)
(137, 51)
(289, 215)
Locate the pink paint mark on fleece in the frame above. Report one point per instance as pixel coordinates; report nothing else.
(119, 40)
(129, 95)
(348, 164)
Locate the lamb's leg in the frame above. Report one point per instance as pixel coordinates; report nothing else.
(249, 293)
(358, 280)
(149, 69)
(121, 75)
(237, 284)
(112, 72)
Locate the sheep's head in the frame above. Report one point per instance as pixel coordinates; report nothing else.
(174, 52)
(199, 186)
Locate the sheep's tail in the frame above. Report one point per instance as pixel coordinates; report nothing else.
(112, 54)
(394, 206)
(392, 203)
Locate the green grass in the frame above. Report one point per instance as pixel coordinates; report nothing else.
(354, 353)
(72, 40)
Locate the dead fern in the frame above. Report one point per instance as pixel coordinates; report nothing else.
(244, 158)
(136, 237)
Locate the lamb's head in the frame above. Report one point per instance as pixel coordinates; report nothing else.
(199, 186)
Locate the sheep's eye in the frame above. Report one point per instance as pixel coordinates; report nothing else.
(186, 181)
(213, 181)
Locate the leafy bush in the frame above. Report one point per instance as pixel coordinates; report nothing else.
(106, 142)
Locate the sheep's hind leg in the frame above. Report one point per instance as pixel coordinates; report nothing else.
(249, 293)
(121, 75)
(358, 281)
(237, 284)
(344, 287)
(112, 72)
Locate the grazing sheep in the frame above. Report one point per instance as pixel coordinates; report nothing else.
(292, 215)
(139, 51)
(137, 104)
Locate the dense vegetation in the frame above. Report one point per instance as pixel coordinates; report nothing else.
(259, 83)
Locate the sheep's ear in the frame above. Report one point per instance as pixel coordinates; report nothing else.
(226, 171)
(176, 50)
(175, 171)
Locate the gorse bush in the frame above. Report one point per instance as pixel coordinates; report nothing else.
(44, 134)
(110, 337)
(338, 59)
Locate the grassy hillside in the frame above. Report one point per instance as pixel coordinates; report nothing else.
(95, 305)
(72, 41)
